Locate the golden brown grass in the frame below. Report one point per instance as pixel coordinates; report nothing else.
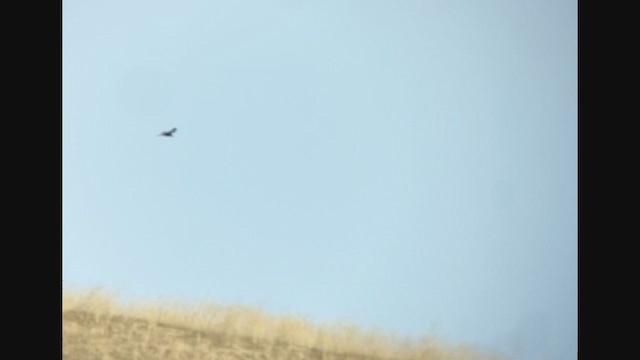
(96, 326)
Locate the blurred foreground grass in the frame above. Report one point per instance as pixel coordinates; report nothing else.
(97, 326)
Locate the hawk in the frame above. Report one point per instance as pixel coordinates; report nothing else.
(168, 133)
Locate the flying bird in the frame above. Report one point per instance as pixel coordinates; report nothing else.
(168, 133)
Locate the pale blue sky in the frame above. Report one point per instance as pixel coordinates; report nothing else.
(409, 165)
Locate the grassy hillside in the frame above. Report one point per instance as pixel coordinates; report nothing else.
(96, 326)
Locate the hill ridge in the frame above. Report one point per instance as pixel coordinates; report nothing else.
(96, 327)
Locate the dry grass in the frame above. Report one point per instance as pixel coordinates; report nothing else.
(96, 326)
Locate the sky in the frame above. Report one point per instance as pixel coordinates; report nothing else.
(408, 165)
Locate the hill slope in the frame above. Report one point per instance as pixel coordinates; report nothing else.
(95, 327)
